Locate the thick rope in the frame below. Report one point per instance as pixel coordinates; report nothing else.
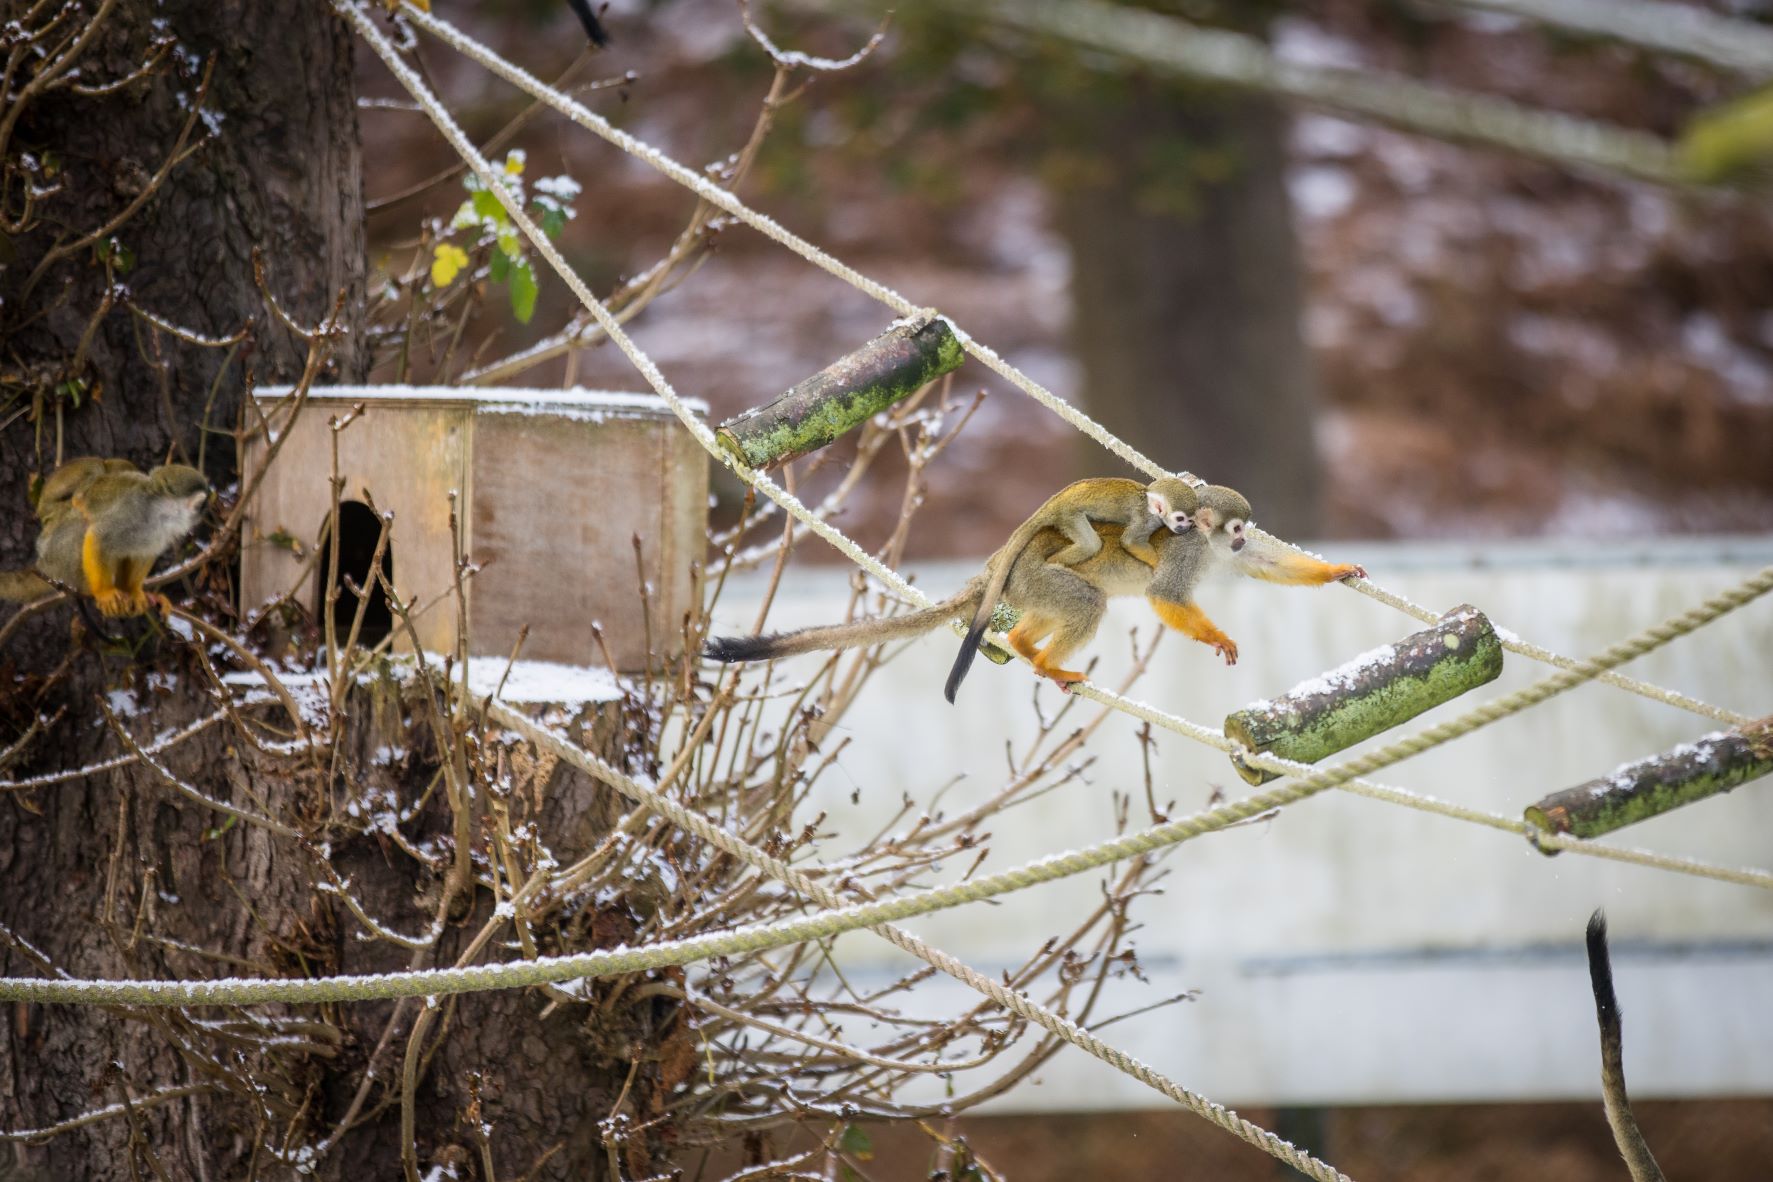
(770, 228)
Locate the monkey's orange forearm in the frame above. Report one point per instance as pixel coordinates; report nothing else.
(110, 583)
(1271, 563)
(1192, 622)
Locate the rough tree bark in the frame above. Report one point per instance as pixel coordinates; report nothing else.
(87, 867)
(1186, 287)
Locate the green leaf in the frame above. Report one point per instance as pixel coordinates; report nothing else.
(499, 267)
(553, 221)
(110, 250)
(855, 1141)
(489, 209)
(511, 242)
(523, 291)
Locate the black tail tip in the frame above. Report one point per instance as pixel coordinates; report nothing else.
(963, 661)
(1600, 970)
(729, 649)
(588, 18)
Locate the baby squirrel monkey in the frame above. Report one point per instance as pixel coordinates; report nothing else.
(1074, 511)
(1064, 605)
(103, 525)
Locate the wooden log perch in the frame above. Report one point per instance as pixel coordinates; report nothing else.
(1372, 693)
(844, 394)
(1650, 787)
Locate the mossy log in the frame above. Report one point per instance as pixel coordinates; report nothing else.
(1650, 787)
(1374, 692)
(844, 394)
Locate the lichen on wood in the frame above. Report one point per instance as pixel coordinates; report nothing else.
(1372, 693)
(844, 394)
(1652, 786)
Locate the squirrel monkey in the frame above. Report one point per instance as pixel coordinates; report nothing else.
(104, 524)
(1074, 510)
(1067, 620)
(1063, 606)
(62, 529)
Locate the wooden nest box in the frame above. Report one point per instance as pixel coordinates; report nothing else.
(553, 487)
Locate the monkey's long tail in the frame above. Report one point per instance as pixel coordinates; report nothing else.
(1632, 1146)
(22, 586)
(851, 635)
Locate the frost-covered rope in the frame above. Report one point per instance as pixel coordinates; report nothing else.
(761, 937)
(1739, 875)
(1018, 1003)
(770, 228)
(1515, 644)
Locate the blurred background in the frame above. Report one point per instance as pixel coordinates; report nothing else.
(1375, 331)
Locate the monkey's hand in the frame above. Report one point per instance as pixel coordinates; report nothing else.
(1188, 619)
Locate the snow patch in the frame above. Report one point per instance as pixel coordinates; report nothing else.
(498, 399)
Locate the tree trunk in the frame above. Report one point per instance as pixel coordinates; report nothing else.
(1186, 288)
(121, 873)
(97, 873)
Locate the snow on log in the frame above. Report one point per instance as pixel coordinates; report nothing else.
(1649, 787)
(891, 367)
(1374, 692)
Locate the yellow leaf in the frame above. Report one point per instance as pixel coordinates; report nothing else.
(446, 262)
(514, 162)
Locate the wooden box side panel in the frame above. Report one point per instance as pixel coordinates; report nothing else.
(558, 502)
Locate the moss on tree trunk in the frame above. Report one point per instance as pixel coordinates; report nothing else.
(844, 395)
(1650, 787)
(1371, 693)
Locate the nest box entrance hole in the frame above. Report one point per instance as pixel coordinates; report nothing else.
(359, 530)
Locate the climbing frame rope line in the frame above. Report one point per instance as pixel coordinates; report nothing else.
(755, 938)
(791, 504)
(836, 919)
(649, 370)
(726, 200)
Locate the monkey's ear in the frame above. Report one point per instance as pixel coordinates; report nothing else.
(1156, 503)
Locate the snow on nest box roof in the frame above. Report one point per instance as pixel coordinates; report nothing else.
(573, 403)
(526, 682)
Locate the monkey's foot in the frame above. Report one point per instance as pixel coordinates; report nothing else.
(118, 602)
(1063, 678)
(161, 604)
(1225, 647)
(1349, 572)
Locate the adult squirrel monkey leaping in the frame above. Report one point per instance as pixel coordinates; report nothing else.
(104, 523)
(1062, 606)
